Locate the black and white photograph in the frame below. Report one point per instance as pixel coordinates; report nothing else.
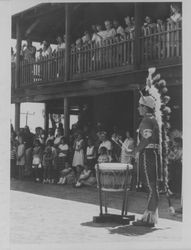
(96, 135)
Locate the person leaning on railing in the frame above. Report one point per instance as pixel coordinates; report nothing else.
(148, 29)
(28, 51)
(45, 63)
(78, 49)
(59, 54)
(173, 28)
(175, 13)
(120, 32)
(130, 27)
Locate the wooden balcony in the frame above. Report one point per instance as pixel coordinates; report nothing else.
(160, 45)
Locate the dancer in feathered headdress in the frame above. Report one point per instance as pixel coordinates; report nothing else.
(152, 148)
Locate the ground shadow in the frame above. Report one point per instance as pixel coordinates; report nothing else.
(126, 230)
(93, 224)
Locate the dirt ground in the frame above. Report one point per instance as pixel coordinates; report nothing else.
(43, 214)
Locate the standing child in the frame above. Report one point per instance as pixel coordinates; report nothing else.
(21, 157)
(78, 158)
(47, 162)
(13, 156)
(54, 171)
(37, 160)
(62, 158)
(88, 174)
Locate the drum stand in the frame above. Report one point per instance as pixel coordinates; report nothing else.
(112, 218)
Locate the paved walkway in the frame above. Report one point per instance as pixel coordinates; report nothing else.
(51, 214)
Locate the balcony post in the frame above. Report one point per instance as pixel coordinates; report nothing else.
(46, 119)
(66, 117)
(135, 112)
(18, 50)
(17, 117)
(67, 34)
(138, 23)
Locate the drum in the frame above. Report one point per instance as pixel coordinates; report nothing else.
(112, 176)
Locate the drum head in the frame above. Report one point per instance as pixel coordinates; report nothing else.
(113, 166)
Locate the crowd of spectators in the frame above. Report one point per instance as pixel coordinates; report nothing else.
(54, 159)
(98, 35)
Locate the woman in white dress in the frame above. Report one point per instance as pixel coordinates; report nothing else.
(127, 157)
(127, 149)
(78, 158)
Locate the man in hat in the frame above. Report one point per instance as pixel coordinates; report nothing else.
(147, 154)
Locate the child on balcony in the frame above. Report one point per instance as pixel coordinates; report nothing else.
(79, 65)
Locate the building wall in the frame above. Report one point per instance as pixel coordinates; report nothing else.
(115, 109)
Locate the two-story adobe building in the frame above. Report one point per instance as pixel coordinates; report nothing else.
(105, 77)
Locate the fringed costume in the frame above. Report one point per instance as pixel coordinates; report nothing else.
(152, 147)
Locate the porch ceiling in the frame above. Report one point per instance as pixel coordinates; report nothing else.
(47, 20)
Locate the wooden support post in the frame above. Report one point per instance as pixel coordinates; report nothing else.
(137, 41)
(68, 47)
(135, 112)
(46, 119)
(18, 50)
(66, 118)
(17, 117)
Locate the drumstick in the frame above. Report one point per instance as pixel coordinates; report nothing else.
(122, 145)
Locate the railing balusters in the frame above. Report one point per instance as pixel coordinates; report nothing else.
(159, 43)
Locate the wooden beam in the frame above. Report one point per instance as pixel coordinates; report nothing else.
(68, 38)
(115, 83)
(17, 117)
(135, 112)
(46, 119)
(66, 118)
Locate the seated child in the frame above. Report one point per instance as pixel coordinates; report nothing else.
(67, 174)
(103, 156)
(88, 174)
(37, 160)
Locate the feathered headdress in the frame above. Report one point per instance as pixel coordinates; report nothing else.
(156, 87)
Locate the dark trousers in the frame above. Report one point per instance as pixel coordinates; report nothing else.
(37, 173)
(47, 172)
(21, 171)
(149, 167)
(13, 170)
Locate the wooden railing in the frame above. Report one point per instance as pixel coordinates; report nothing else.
(159, 43)
(107, 54)
(42, 70)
